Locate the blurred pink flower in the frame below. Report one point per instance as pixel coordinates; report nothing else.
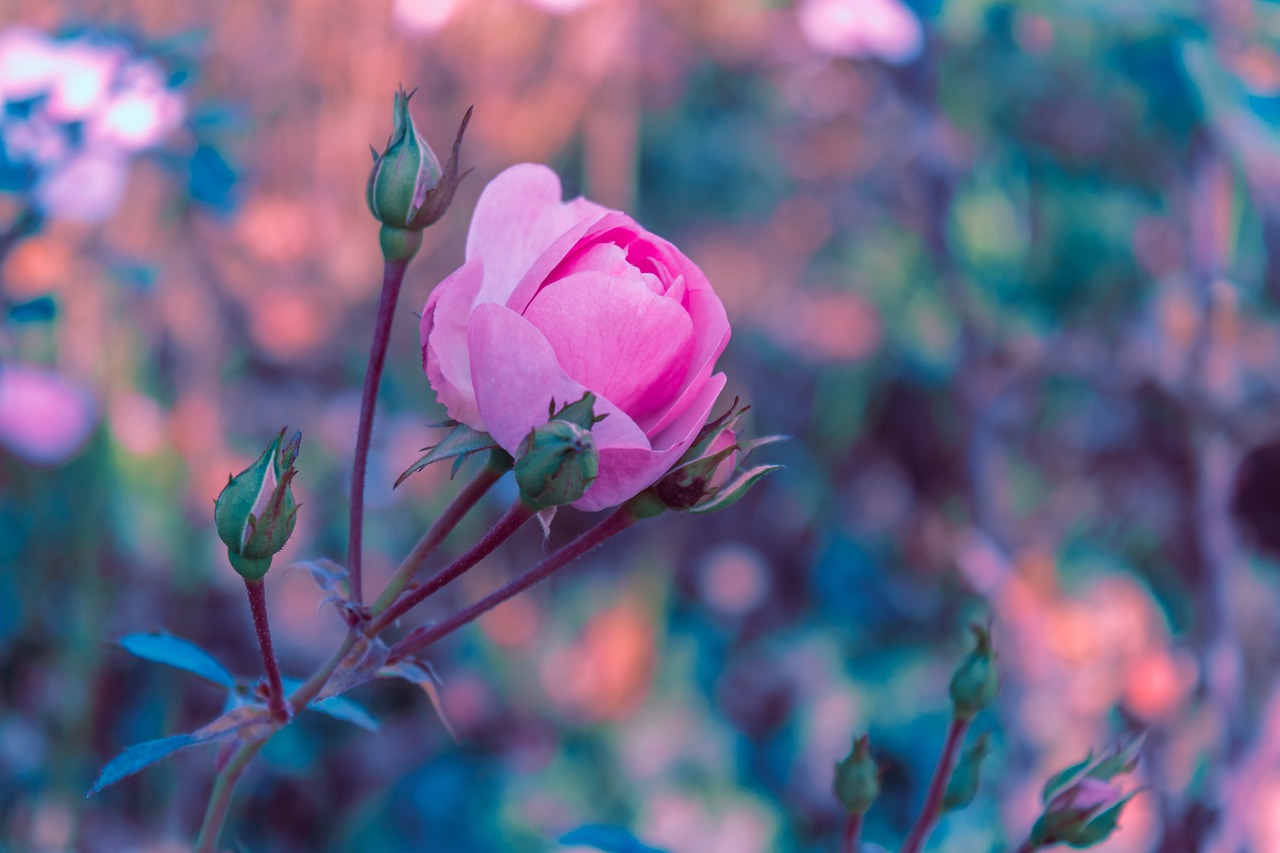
(86, 188)
(44, 417)
(884, 29)
(559, 7)
(424, 16)
(559, 298)
(28, 63)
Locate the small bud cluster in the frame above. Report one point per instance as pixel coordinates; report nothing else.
(256, 513)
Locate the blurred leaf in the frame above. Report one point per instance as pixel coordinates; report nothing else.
(178, 653)
(420, 673)
(211, 180)
(248, 723)
(611, 839)
(460, 443)
(338, 707)
(42, 309)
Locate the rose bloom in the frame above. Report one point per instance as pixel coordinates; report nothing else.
(559, 298)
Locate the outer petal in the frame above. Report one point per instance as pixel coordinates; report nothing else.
(444, 341)
(519, 215)
(516, 376)
(624, 472)
(617, 337)
(567, 247)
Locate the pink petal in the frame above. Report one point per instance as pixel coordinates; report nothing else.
(516, 376)
(561, 255)
(624, 472)
(444, 341)
(519, 215)
(616, 337)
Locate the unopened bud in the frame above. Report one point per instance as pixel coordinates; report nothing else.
(963, 785)
(857, 780)
(555, 464)
(256, 512)
(408, 190)
(1082, 814)
(695, 480)
(974, 685)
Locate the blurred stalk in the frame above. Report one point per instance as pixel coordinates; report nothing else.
(851, 841)
(495, 466)
(511, 521)
(619, 520)
(932, 808)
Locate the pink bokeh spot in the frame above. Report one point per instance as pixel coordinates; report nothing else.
(45, 418)
(883, 29)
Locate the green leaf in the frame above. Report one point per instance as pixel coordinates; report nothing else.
(247, 723)
(611, 839)
(178, 653)
(338, 707)
(732, 493)
(141, 755)
(459, 444)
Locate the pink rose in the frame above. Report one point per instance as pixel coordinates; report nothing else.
(559, 298)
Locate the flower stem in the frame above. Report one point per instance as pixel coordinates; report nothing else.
(275, 687)
(851, 841)
(220, 798)
(618, 521)
(392, 278)
(932, 807)
(225, 785)
(443, 526)
(510, 522)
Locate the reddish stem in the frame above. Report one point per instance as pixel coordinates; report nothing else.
(443, 526)
(514, 518)
(851, 841)
(932, 807)
(618, 521)
(392, 278)
(275, 687)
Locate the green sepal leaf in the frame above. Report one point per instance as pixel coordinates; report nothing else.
(733, 492)
(611, 839)
(1124, 761)
(1061, 779)
(178, 653)
(580, 413)
(460, 443)
(248, 723)
(1100, 828)
(750, 445)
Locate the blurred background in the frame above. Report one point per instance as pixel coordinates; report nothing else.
(1007, 270)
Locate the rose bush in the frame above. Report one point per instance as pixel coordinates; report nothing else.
(558, 298)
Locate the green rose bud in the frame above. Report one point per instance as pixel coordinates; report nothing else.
(256, 512)
(555, 464)
(857, 782)
(974, 685)
(408, 190)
